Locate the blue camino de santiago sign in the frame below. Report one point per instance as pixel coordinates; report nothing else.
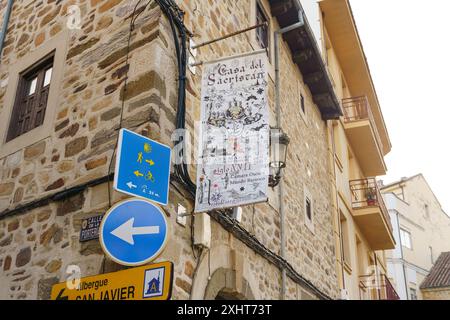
(133, 232)
(142, 167)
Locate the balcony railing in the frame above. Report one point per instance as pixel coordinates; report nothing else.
(372, 287)
(366, 193)
(358, 109)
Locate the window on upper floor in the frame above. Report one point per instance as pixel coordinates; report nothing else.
(427, 211)
(345, 240)
(413, 293)
(262, 33)
(405, 238)
(339, 144)
(31, 98)
(302, 103)
(309, 210)
(431, 254)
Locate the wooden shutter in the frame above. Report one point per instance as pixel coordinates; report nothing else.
(29, 107)
(262, 33)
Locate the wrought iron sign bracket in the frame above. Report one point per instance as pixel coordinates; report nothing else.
(206, 43)
(193, 47)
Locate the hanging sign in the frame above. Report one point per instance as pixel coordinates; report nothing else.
(151, 282)
(233, 152)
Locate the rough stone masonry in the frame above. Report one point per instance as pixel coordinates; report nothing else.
(37, 244)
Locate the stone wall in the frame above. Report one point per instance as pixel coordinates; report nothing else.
(37, 245)
(436, 294)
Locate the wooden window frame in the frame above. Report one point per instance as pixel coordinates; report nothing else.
(258, 32)
(404, 231)
(254, 44)
(59, 45)
(37, 71)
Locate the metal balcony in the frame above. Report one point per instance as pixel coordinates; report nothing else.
(370, 213)
(363, 135)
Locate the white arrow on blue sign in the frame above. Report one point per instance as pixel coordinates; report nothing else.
(142, 167)
(133, 232)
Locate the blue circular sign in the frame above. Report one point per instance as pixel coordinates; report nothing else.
(133, 232)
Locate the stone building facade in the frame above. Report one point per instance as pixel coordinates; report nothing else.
(54, 176)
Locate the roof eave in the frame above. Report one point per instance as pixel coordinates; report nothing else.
(306, 55)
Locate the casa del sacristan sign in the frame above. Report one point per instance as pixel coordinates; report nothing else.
(234, 142)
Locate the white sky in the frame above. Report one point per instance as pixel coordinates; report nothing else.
(407, 44)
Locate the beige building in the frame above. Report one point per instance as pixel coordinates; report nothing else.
(359, 141)
(67, 68)
(436, 285)
(422, 233)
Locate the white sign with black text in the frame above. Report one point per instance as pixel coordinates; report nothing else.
(234, 140)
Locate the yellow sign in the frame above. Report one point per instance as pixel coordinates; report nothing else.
(151, 282)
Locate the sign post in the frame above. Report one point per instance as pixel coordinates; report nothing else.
(142, 167)
(151, 282)
(133, 232)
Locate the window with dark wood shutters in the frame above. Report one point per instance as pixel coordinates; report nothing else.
(31, 99)
(262, 33)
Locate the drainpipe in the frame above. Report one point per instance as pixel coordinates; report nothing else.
(5, 25)
(402, 259)
(277, 35)
(338, 215)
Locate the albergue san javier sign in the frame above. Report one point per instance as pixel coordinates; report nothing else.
(234, 142)
(151, 282)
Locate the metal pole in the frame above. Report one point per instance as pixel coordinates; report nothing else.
(5, 25)
(228, 36)
(278, 115)
(280, 185)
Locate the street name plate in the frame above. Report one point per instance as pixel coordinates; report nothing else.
(90, 228)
